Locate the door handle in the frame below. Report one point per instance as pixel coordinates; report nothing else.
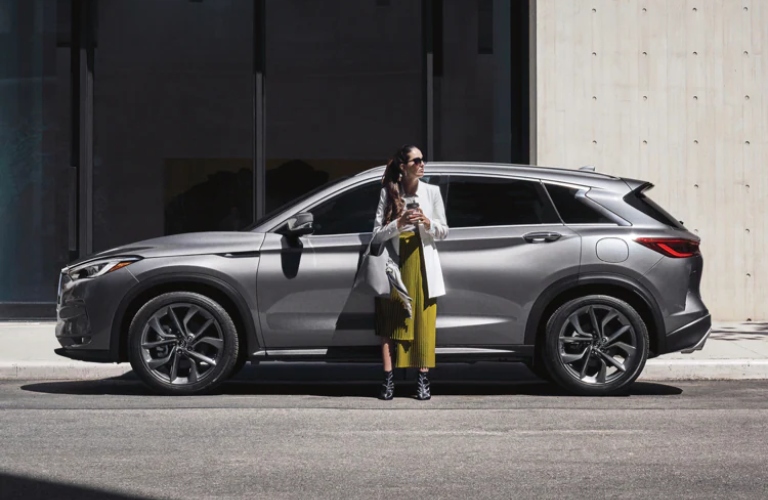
(543, 236)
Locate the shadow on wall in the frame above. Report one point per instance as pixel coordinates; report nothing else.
(743, 331)
(224, 201)
(13, 486)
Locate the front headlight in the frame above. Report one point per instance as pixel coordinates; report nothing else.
(100, 267)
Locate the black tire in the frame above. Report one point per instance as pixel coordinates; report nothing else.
(207, 376)
(629, 349)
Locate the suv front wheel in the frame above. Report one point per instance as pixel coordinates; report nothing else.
(182, 343)
(595, 345)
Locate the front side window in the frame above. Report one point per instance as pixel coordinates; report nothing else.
(352, 211)
(475, 201)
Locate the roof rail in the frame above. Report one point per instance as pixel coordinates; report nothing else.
(588, 168)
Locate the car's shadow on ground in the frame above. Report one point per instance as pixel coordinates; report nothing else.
(354, 380)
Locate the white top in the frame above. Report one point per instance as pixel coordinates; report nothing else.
(431, 203)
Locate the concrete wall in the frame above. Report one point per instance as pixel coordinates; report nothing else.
(670, 91)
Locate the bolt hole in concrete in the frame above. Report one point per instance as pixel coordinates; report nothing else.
(645, 97)
(696, 186)
(594, 98)
(695, 9)
(594, 142)
(746, 97)
(594, 10)
(746, 142)
(695, 141)
(645, 53)
(747, 230)
(695, 98)
(746, 53)
(645, 142)
(695, 53)
(645, 10)
(594, 53)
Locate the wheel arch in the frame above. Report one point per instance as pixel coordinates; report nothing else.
(605, 284)
(215, 288)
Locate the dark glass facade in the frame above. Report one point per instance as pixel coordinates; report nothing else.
(122, 120)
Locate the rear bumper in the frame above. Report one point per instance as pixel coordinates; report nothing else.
(690, 337)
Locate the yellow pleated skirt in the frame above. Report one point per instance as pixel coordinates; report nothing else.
(415, 336)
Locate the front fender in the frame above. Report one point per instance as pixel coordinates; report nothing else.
(178, 275)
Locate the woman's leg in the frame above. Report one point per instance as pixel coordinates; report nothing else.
(387, 391)
(386, 353)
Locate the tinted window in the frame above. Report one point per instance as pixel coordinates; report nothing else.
(573, 210)
(642, 202)
(489, 201)
(352, 211)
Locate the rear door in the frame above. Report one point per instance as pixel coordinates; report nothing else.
(506, 245)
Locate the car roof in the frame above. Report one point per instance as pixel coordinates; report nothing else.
(556, 174)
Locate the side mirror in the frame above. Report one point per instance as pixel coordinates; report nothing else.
(300, 225)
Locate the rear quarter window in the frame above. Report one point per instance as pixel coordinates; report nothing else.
(573, 210)
(641, 202)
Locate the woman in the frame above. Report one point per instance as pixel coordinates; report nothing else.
(412, 229)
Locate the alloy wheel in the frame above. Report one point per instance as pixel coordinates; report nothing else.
(181, 344)
(597, 344)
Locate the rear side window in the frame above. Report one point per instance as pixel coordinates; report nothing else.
(640, 201)
(573, 210)
(475, 201)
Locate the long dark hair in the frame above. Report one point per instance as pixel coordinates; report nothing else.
(392, 182)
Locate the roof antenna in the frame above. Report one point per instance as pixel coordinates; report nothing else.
(588, 168)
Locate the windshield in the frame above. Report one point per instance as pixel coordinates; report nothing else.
(273, 213)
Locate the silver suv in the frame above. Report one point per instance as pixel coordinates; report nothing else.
(576, 273)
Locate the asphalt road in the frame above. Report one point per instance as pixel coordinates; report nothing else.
(305, 433)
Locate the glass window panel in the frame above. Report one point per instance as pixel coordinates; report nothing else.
(34, 148)
(475, 201)
(572, 210)
(173, 118)
(353, 211)
(344, 89)
(481, 81)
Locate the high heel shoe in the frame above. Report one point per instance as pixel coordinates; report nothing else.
(422, 387)
(387, 391)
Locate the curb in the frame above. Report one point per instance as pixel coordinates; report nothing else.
(42, 370)
(705, 369)
(655, 370)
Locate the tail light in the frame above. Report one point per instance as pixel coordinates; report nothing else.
(678, 248)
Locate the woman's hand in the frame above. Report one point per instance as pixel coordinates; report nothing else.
(419, 217)
(405, 219)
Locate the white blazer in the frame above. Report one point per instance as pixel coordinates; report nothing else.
(431, 203)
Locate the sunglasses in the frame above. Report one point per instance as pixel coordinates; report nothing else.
(416, 161)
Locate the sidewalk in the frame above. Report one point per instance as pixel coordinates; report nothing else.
(734, 351)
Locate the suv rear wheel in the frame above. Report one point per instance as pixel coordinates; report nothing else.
(182, 343)
(595, 345)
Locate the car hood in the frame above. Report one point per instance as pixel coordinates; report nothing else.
(178, 245)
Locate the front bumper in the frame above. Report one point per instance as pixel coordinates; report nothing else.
(85, 311)
(85, 354)
(690, 337)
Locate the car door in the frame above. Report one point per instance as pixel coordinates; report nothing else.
(303, 284)
(506, 245)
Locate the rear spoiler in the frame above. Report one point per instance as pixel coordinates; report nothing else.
(637, 186)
